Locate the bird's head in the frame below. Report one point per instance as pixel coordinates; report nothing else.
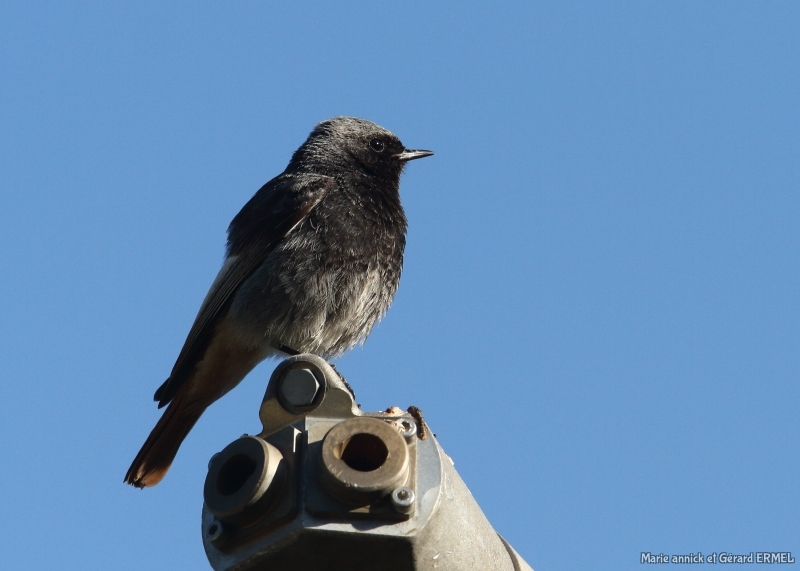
(345, 143)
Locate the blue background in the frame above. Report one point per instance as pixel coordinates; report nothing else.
(599, 310)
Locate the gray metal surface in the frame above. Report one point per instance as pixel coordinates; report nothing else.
(425, 519)
(299, 387)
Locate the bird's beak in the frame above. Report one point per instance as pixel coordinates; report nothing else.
(408, 155)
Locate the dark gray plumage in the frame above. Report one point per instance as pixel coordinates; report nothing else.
(313, 262)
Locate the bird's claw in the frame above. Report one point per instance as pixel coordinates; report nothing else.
(422, 426)
(346, 384)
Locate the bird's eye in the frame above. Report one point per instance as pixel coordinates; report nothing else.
(376, 145)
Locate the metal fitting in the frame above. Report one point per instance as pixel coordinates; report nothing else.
(363, 459)
(409, 429)
(403, 499)
(211, 461)
(243, 480)
(299, 390)
(214, 531)
(348, 491)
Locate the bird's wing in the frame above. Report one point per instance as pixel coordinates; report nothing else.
(271, 214)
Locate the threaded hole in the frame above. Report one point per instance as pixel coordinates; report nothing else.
(364, 452)
(234, 474)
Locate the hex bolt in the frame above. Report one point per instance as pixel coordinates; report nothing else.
(214, 531)
(403, 499)
(299, 387)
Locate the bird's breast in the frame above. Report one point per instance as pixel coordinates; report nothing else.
(328, 282)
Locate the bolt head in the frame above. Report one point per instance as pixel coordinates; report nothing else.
(214, 531)
(409, 428)
(299, 387)
(403, 499)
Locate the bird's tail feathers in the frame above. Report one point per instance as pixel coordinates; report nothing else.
(159, 450)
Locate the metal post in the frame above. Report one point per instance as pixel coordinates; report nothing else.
(328, 487)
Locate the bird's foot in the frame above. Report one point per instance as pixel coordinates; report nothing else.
(292, 352)
(422, 427)
(346, 384)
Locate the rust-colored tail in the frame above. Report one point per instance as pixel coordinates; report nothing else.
(154, 459)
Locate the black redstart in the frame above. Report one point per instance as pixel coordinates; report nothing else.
(313, 262)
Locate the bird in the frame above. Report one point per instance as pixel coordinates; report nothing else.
(313, 261)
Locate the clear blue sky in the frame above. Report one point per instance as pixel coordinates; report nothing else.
(599, 311)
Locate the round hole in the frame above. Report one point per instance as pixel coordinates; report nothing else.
(234, 474)
(364, 452)
(212, 531)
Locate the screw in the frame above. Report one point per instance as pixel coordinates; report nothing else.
(214, 531)
(299, 387)
(403, 499)
(409, 429)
